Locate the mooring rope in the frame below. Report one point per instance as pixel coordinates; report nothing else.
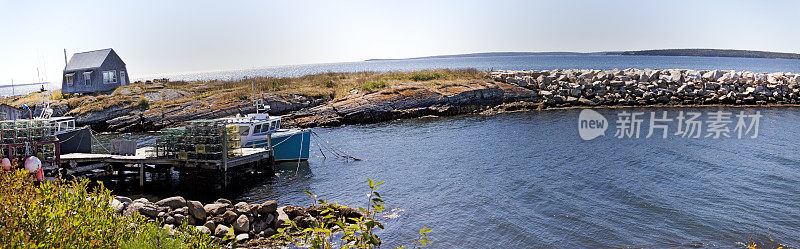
(300, 156)
(334, 151)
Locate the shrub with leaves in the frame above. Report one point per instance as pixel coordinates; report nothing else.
(68, 215)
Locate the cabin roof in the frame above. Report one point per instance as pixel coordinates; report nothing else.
(90, 59)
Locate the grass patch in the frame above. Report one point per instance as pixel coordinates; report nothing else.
(425, 76)
(373, 86)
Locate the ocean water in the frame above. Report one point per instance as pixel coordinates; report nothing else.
(527, 180)
(25, 89)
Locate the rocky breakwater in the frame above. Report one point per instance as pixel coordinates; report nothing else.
(635, 87)
(248, 223)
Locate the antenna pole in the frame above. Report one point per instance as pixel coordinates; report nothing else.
(65, 58)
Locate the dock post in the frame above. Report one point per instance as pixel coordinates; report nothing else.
(141, 175)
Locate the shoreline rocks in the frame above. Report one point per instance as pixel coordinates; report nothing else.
(221, 218)
(218, 219)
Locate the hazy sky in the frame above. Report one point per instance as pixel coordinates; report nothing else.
(178, 36)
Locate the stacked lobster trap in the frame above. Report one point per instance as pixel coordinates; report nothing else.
(200, 140)
(23, 138)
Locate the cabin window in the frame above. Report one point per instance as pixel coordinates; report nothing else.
(265, 128)
(87, 78)
(257, 129)
(277, 124)
(109, 77)
(69, 79)
(244, 131)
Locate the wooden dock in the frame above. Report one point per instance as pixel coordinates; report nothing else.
(146, 159)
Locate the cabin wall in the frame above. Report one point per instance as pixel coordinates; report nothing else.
(112, 62)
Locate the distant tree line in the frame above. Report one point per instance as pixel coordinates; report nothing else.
(711, 53)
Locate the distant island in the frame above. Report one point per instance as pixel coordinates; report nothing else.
(656, 52)
(711, 53)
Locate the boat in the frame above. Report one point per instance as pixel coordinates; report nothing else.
(260, 130)
(71, 139)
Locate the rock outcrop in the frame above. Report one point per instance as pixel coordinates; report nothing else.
(513, 90)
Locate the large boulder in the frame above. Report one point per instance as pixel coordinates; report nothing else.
(242, 208)
(210, 225)
(268, 207)
(282, 216)
(242, 237)
(260, 225)
(215, 208)
(143, 208)
(196, 210)
(203, 229)
(123, 199)
(180, 219)
(242, 224)
(118, 206)
(229, 217)
(221, 230)
(172, 202)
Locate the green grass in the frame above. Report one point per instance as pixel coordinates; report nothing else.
(374, 85)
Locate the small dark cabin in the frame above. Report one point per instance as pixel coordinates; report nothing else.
(94, 71)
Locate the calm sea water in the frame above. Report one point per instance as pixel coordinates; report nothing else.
(527, 180)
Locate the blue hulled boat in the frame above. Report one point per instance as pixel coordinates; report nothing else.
(259, 130)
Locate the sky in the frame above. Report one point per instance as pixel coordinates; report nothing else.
(156, 37)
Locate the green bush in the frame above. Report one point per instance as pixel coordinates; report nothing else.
(144, 103)
(425, 76)
(67, 215)
(374, 85)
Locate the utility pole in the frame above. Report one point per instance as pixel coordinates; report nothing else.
(65, 58)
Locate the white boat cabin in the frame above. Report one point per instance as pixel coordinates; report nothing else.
(254, 125)
(63, 124)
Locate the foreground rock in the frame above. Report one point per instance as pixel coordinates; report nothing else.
(225, 221)
(219, 219)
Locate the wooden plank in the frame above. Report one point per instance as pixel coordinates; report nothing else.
(86, 168)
